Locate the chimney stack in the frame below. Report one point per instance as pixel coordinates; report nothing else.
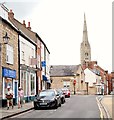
(10, 14)
(24, 23)
(29, 26)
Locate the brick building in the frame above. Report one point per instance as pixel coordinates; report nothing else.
(8, 57)
(112, 79)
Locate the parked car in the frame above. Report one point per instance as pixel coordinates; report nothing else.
(66, 92)
(47, 99)
(62, 96)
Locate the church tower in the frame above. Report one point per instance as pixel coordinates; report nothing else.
(85, 49)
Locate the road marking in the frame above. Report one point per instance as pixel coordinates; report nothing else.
(101, 113)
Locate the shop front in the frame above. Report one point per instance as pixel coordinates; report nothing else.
(28, 82)
(9, 79)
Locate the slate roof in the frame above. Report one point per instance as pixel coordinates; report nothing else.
(21, 27)
(63, 70)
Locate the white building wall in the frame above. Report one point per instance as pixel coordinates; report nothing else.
(90, 77)
(28, 78)
(27, 51)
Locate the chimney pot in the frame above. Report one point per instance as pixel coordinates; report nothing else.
(24, 23)
(29, 26)
(10, 14)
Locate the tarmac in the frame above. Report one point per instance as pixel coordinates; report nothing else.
(105, 104)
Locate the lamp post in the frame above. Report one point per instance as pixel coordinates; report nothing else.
(87, 87)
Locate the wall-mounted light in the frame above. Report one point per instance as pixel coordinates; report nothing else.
(6, 38)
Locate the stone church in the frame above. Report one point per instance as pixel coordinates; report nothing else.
(85, 49)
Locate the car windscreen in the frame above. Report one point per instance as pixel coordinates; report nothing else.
(47, 93)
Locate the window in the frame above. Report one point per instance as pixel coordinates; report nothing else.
(66, 84)
(23, 55)
(86, 54)
(9, 54)
(32, 50)
(32, 78)
(23, 81)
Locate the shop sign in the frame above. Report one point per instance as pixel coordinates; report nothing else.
(8, 73)
(43, 63)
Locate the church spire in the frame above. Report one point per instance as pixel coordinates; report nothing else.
(85, 36)
(85, 49)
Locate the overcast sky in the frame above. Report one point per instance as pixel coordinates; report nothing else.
(60, 25)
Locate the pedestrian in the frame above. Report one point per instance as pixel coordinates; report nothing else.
(9, 96)
(20, 97)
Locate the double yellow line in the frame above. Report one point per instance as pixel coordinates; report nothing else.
(99, 105)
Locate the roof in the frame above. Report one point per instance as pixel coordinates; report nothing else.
(7, 22)
(32, 35)
(21, 27)
(63, 70)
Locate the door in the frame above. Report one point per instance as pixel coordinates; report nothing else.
(16, 91)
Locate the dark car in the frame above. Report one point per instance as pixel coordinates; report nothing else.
(62, 96)
(47, 99)
(66, 92)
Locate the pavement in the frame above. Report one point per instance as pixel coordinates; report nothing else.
(4, 113)
(105, 104)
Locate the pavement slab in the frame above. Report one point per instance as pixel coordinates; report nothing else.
(4, 113)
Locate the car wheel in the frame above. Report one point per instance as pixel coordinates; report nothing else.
(59, 104)
(64, 101)
(56, 105)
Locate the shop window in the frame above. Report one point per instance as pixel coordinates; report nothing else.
(28, 83)
(7, 82)
(23, 82)
(32, 84)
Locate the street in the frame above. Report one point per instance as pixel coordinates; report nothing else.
(81, 106)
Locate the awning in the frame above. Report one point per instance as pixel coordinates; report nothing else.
(45, 78)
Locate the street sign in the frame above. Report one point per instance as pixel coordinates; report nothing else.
(74, 82)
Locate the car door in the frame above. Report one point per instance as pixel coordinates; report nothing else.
(57, 97)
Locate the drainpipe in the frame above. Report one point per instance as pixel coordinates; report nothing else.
(18, 61)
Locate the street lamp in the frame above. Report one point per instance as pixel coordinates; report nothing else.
(6, 38)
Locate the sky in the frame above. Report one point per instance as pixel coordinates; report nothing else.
(60, 25)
